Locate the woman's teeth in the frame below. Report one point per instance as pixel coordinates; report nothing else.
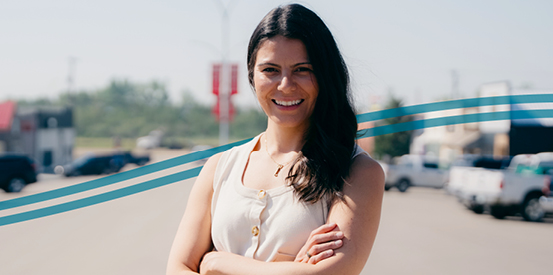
(288, 103)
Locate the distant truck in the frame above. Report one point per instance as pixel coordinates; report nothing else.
(464, 175)
(415, 170)
(523, 188)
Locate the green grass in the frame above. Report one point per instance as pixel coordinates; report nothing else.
(103, 142)
(130, 143)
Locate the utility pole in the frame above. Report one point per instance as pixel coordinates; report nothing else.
(454, 84)
(71, 74)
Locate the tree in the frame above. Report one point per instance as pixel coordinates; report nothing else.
(130, 110)
(395, 144)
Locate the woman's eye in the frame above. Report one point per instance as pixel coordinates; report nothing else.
(269, 70)
(303, 69)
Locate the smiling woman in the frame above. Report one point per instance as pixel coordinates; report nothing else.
(284, 82)
(300, 198)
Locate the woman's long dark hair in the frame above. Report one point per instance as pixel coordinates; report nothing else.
(326, 157)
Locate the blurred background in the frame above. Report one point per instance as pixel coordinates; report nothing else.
(91, 88)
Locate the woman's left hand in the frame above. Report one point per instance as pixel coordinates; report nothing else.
(321, 244)
(214, 259)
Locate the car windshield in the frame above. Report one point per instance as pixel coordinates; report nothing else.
(82, 160)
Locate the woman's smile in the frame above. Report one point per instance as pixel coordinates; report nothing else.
(288, 103)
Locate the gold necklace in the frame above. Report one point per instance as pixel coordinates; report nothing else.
(280, 166)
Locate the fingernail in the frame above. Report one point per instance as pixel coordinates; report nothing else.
(338, 242)
(340, 234)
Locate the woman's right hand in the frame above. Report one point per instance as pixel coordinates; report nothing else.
(321, 244)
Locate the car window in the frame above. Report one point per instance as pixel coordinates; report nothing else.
(82, 160)
(430, 165)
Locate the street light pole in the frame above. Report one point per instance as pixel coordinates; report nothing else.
(224, 88)
(71, 74)
(225, 73)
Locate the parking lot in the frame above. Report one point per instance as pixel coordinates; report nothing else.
(423, 231)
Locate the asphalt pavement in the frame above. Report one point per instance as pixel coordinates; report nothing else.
(422, 231)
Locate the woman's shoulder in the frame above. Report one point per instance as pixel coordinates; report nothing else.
(367, 171)
(219, 164)
(210, 166)
(229, 153)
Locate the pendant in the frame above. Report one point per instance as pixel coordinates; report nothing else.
(278, 170)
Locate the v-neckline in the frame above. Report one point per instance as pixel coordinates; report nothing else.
(252, 192)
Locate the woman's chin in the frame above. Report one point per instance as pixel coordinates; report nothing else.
(286, 122)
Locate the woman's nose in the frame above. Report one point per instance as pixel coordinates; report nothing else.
(287, 83)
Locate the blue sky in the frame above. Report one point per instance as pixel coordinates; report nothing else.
(409, 47)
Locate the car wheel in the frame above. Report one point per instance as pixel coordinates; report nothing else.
(16, 185)
(387, 187)
(477, 208)
(498, 212)
(531, 209)
(74, 174)
(403, 185)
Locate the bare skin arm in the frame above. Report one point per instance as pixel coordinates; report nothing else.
(358, 217)
(193, 238)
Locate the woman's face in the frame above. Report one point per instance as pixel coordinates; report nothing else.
(284, 82)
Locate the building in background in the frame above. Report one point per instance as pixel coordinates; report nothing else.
(45, 134)
(447, 142)
(498, 138)
(529, 136)
(7, 118)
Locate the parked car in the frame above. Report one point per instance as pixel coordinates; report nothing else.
(16, 171)
(546, 201)
(415, 170)
(136, 159)
(464, 174)
(91, 164)
(516, 190)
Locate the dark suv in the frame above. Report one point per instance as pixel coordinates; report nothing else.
(16, 171)
(91, 164)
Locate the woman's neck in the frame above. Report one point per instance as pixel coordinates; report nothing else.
(284, 139)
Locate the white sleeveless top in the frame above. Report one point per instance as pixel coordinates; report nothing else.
(267, 225)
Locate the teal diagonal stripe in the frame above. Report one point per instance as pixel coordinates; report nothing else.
(442, 121)
(111, 195)
(455, 104)
(115, 178)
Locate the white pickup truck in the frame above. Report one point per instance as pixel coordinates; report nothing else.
(464, 176)
(522, 188)
(414, 170)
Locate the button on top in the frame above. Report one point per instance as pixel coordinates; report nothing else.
(255, 231)
(261, 194)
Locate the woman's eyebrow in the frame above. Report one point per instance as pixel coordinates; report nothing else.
(267, 64)
(276, 65)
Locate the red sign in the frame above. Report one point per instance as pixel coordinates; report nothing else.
(234, 79)
(216, 78)
(217, 69)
